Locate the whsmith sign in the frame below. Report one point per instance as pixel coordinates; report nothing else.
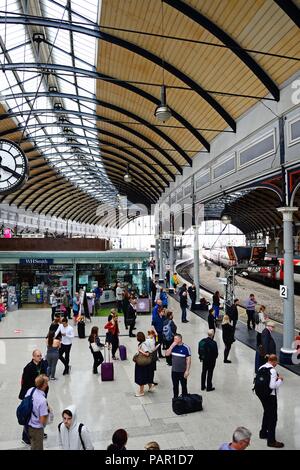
(36, 261)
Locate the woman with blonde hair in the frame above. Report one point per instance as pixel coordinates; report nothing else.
(152, 445)
(228, 337)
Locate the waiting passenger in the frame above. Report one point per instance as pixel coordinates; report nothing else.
(119, 441)
(211, 320)
(228, 337)
(261, 319)
(95, 347)
(216, 303)
(240, 440)
(250, 310)
(233, 313)
(152, 445)
(53, 345)
(71, 435)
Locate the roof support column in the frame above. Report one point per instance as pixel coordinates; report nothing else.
(161, 259)
(171, 252)
(196, 265)
(286, 352)
(156, 256)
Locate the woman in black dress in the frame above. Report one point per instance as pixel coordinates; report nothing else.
(228, 336)
(211, 320)
(143, 374)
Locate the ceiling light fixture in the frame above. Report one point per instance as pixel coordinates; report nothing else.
(163, 112)
(127, 177)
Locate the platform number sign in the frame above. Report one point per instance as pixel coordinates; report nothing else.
(283, 291)
(13, 167)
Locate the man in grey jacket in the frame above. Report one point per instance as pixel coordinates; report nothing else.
(71, 435)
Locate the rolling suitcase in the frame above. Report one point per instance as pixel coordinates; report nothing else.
(107, 369)
(123, 353)
(81, 329)
(187, 404)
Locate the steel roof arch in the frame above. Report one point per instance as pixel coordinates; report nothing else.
(51, 23)
(214, 29)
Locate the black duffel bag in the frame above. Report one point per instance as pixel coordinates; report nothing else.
(187, 404)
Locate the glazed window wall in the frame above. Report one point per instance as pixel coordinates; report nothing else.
(131, 275)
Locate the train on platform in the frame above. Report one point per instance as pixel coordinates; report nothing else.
(269, 275)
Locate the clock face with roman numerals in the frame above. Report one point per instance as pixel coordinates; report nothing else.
(13, 167)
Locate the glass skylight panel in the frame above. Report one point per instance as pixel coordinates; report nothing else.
(82, 160)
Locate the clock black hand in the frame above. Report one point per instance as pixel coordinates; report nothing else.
(14, 173)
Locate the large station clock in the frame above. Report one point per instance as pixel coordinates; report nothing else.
(13, 167)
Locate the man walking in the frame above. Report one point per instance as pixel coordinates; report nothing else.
(181, 364)
(210, 354)
(67, 335)
(34, 368)
(71, 435)
(250, 310)
(269, 403)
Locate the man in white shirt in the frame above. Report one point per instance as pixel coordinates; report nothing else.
(269, 404)
(119, 297)
(67, 335)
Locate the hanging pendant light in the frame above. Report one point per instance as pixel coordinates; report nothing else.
(127, 177)
(163, 112)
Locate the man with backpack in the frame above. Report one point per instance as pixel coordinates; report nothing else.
(39, 412)
(169, 331)
(71, 435)
(266, 383)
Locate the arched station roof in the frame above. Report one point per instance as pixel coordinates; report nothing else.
(81, 84)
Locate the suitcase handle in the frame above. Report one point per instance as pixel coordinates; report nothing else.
(108, 354)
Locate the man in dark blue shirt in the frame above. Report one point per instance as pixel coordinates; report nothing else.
(181, 364)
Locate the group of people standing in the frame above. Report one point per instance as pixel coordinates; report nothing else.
(79, 305)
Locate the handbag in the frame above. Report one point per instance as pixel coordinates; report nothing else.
(95, 347)
(142, 360)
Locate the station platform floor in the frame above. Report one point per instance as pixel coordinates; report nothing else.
(106, 406)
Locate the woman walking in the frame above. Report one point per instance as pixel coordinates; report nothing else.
(228, 336)
(95, 347)
(53, 345)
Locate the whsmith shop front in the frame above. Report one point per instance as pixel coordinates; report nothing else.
(36, 274)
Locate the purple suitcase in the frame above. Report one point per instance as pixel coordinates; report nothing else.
(123, 353)
(107, 369)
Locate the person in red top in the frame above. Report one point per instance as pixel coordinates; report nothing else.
(113, 329)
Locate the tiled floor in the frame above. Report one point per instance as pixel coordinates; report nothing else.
(106, 406)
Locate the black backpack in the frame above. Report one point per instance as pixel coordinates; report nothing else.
(256, 318)
(262, 382)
